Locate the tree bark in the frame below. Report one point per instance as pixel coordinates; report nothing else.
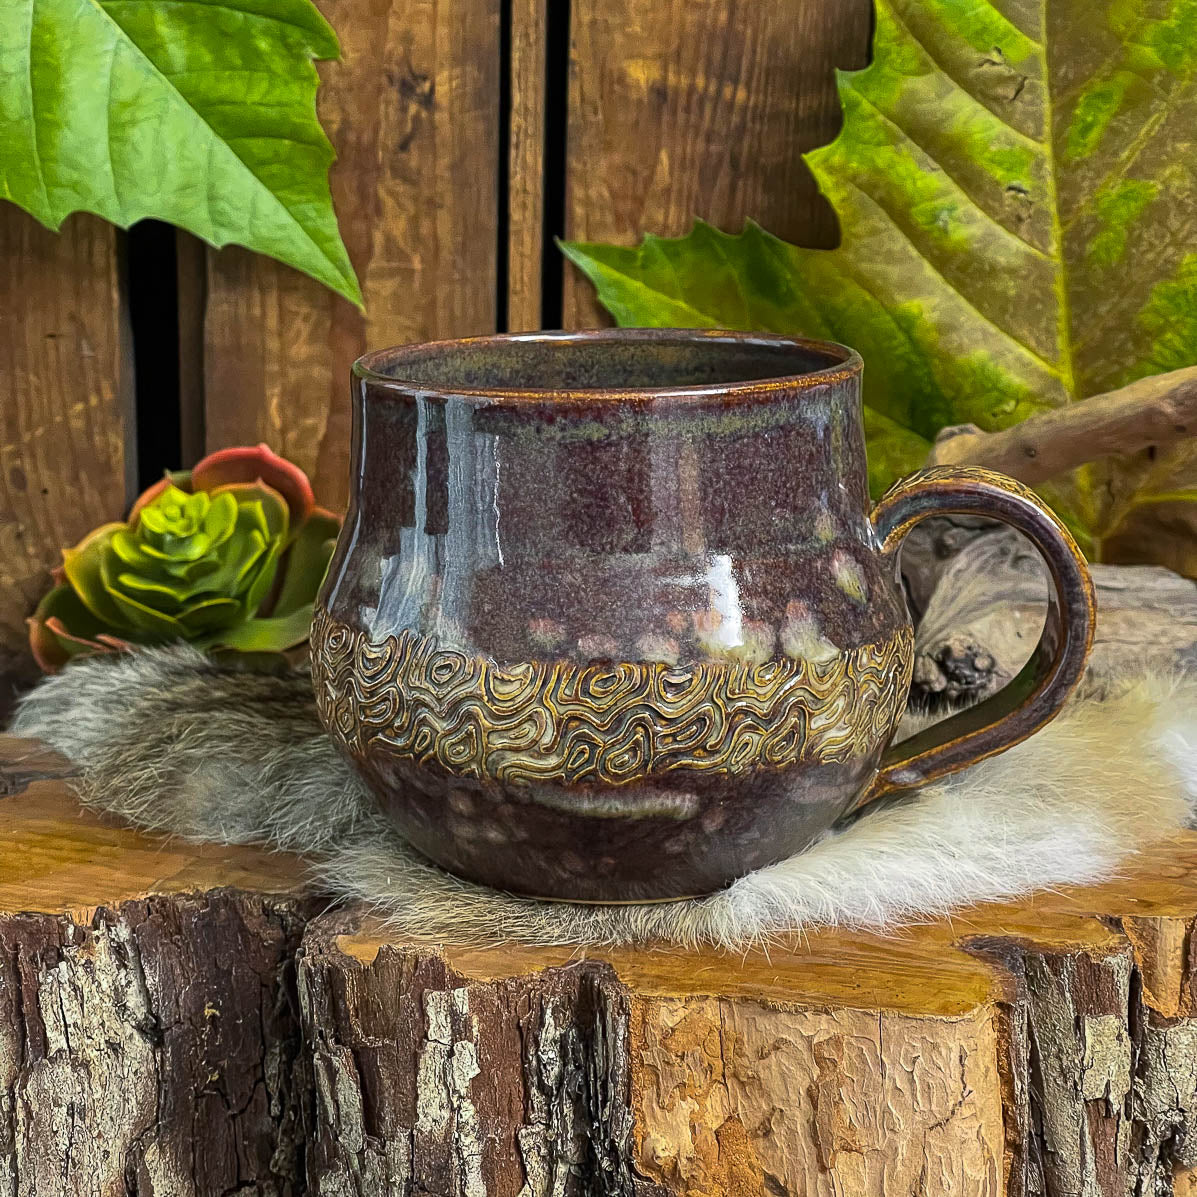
(151, 1049)
(184, 1020)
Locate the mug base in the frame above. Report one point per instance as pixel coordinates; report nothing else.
(675, 837)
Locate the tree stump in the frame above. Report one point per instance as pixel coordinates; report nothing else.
(189, 1020)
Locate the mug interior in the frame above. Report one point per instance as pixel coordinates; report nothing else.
(610, 359)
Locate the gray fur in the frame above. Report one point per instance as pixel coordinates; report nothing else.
(173, 741)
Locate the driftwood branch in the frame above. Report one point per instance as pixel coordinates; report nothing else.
(984, 612)
(1159, 411)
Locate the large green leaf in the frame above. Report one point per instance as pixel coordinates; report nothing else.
(197, 112)
(1018, 204)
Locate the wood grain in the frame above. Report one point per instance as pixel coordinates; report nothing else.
(412, 110)
(890, 1104)
(56, 858)
(983, 591)
(526, 152)
(1154, 413)
(701, 108)
(66, 448)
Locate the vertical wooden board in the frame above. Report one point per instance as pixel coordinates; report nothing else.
(412, 109)
(701, 108)
(66, 384)
(525, 199)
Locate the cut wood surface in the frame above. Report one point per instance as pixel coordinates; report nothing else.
(412, 110)
(187, 1020)
(696, 108)
(66, 407)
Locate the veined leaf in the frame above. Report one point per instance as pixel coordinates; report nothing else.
(1015, 187)
(197, 112)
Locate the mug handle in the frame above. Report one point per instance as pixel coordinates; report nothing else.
(1034, 697)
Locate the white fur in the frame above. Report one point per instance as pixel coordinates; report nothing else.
(172, 741)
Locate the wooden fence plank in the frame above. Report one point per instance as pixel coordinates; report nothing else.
(66, 416)
(412, 109)
(525, 197)
(688, 108)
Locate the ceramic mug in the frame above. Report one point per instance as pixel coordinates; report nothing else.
(612, 618)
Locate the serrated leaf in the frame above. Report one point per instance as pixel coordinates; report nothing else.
(1018, 208)
(197, 112)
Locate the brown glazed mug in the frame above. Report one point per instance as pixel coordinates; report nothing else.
(610, 618)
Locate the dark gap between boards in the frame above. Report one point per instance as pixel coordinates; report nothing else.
(151, 277)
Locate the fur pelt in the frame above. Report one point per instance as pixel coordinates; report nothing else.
(174, 741)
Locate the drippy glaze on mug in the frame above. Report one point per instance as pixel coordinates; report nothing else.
(609, 618)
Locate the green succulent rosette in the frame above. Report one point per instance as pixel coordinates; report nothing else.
(227, 556)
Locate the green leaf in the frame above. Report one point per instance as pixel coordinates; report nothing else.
(84, 569)
(306, 562)
(1015, 190)
(197, 112)
(270, 635)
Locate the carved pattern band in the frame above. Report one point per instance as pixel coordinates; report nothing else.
(558, 721)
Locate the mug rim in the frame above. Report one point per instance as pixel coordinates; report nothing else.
(845, 364)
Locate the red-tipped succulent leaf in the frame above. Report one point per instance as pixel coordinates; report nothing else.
(227, 555)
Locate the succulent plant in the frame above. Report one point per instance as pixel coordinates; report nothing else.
(228, 555)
